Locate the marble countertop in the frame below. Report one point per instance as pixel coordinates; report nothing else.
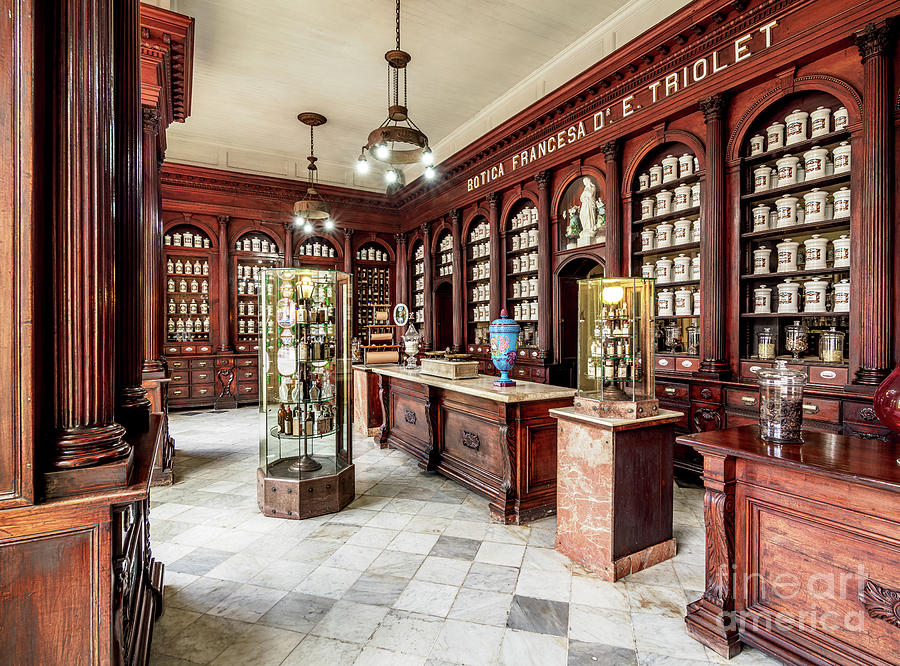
(663, 416)
(482, 386)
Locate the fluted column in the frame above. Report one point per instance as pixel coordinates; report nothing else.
(402, 270)
(545, 254)
(153, 314)
(348, 253)
(459, 276)
(494, 200)
(614, 262)
(225, 310)
(712, 241)
(288, 244)
(84, 429)
(873, 243)
(428, 325)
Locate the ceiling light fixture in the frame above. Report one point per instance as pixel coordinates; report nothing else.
(398, 140)
(312, 206)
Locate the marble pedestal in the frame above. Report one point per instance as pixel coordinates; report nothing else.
(614, 491)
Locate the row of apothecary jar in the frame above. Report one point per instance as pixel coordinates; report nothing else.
(187, 268)
(815, 208)
(671, 168)
(183, 307)
(480, 250)
(188, 325)
(420, 284)
(798, 126)
(524, 218)
(669, 234)
(790, 170)
(371, 254)
(681, 302)
(525, 263)
(815, 296)
(524, 288)
(446, 243)
(187, 239)
(480, 232)
(684, 197)
(420, 253)
(419, 300)
(316, 249)
(796, 341)
(445, 258)
(254, 244)
(481, 292)
(246, 326)
(524, 240)
(481, 312)
(248, 272)
(526, 311)
(185, 287)
(481, 270)
(679, 269)
(815, 253)
(446, 269)
(419, 268)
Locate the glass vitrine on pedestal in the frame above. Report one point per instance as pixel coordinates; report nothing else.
(305, 454)
(615, 347)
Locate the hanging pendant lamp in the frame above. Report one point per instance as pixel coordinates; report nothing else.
(312, 206)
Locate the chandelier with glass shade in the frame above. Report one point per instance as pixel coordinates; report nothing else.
(312, 207)
(398, 140)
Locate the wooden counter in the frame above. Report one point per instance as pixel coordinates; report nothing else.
(367, 415)
(812, 536)
(499, 442)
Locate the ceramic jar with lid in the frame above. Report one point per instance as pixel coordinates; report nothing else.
(685, 165)
(682, 198)
(816, 251)
(648, 207)
(695, 195)
(761, 217)
(681, 232)
(663, 202)
(665, 303)
(695, 268)
(814, 162)
(841, 203)
(795, 127)
(663, 270)
(757, 145)
(814, 207)
(819, 122)
(841, 296)
(683, 302)
(644, 181)
(841, 118)
(787, 212)
(787, 170)
(695, 231)
(841, 251)
(696, 303)
(681, 268)
(656, 174)
(814, 292)
(788, 296)
(761, 257)
(762, 299)
(775, 136)
(648, 270)
(787, 255)
(670, 169)
(841, 157)
(664, 235)
(762, 178)
(648, 239)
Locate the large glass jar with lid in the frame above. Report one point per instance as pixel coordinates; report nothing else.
(615, 347)
(305, 457)
(831, 346)
(781, 403)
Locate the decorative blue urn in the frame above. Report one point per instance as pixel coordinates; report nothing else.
(504, 335)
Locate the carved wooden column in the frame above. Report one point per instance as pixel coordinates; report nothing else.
(873, 243)
(712, 242)
(545, 255)
(711, 619)
(84, 431)
(459, 286)
(134, 407)
(612, 151)
(348, 252)
(428, 325)
(496, 258)
(224, 312)
(288, 244)
(153, 314)
(402, 271)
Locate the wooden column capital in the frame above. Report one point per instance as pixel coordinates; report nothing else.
(876, 39)
(542, 178)
(150, 120)
(713, 108)
(401, 238)
(611, 150)
(223, 220)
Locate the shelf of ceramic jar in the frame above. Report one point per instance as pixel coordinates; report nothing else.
(684, 180)
(668, 250)
(674, 215)
(803, 227)
(680, 283)
(477, 280)
(822, 141)
(522, 250)
(828, 183)
(799, 273)
(795, 315)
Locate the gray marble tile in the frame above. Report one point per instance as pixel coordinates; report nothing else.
(541, 616)
(591, 654)
(297, 612)
(456, 547)
(376, 589)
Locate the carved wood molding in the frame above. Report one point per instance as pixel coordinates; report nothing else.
(382, 435)
(508, 440)
(410, 417)
(704, 417)
(718, 509)
(881, 603)
(471, 440)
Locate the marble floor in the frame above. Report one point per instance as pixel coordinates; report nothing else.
(413, 572)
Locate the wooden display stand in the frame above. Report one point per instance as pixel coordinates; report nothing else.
(614, 491)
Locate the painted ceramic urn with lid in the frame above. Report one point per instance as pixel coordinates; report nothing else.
(504, 336)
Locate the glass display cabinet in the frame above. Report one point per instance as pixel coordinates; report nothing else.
(615, 347)
(305, 407)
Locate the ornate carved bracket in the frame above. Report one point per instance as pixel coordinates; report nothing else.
(471, 440)
(881, 603)
(410, 417)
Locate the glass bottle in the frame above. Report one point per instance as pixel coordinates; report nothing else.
(831, 346)
(781, 403)
(765, 344)
(796, 338)
(693, 339)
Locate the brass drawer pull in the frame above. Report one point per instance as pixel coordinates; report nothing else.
(203, 376)
(670, 391)
(748, 400)
(810, 409)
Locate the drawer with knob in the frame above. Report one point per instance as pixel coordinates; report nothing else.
(198, 363)
(672, 391)
(248, 389)
(202, 376)
(205, 391)
(180, 378)
(742, 399)
(706, 392)
(177, 364)
(247, 374)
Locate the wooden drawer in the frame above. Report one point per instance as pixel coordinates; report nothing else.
(180, 378)
(521, 372)
(749, 368)
(204, 349)
(860, 412)
(869, 432)
(818, 409)
(247, 374)
(247, 362)
(204, 391)
(707, 392)
(190, 349)
(200, 363)
(468, 438)
(742, 399)
(683, 422)
(202, 376)
(539, 374)
(687, 364)
(179, 393)
(705, 418)
(248, 389)
(177, 364)
(666, 363)
(246, 347)
(409, 417)
(829, 376)
(173, 350)
(225, 362)
(672, 391)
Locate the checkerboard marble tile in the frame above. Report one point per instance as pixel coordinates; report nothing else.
(413, 572)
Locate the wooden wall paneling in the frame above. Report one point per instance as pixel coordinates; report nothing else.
(545, 250)
(459, 275)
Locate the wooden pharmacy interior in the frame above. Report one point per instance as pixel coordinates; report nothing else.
(130, 281)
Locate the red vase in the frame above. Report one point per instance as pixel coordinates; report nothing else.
(887, 400)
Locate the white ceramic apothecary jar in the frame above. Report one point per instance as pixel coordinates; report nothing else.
(795, 127)
(648, 270)
(648, 206)
(663, 270)
(681, 268)
(816, 252)
(665, 303)
(788, 293)
(681, 232)
(775, 136)
(841, 296)
(819, 122)
(644, 181)
(762, 299)
(695, 230)
(663, 202)
(683, 302)
(761, 258)
(696, 303)
(841, 203)
(841, 118)
(841, 251)
(841, 157)
(787, 170)
(682, 199)
(787, 255)
(670, 168)
(757, 144)
(656, 173)
(648, 239)
(814, 205)
(762, 178)
(695, 268)
(814, 292)
(761, 217)
(664, 235)
(695, 195)
(814, 161)
(787, 212)
(685, 165)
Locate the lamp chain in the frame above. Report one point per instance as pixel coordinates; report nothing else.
(398, 25)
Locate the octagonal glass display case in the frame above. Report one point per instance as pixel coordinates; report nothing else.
(305, 407)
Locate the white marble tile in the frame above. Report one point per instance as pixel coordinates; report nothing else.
(328, 582)
(466, 529)
(410, 633)
(590, 590)
(390, 520)
(282, 574)
(659, 574)
(260, 646)
(551, 584)
(318, 650)
(662, 634)
(372, 537)
(427, 524)
(524, 648)
(373, 656)
(443, 570)
(354, 558)
(429, 598)
(413, 542)
(504, 554)
(240, 567)
(600, 625)
(168, 510)
(468, 643)
(481, 607)
(248, 603)
(351, 622)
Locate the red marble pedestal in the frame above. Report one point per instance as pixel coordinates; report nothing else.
(614, 491)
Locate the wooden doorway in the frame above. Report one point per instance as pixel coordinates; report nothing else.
(567, 324)
(443, 316)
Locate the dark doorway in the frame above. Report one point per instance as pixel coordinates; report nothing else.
(443, 316)
(567, 327)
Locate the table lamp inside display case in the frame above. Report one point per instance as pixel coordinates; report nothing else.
(305, 456)
(615, 347)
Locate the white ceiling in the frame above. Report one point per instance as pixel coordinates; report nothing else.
(474, 64)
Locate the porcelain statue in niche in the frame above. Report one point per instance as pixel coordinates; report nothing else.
(574, 227)
(588, 212)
